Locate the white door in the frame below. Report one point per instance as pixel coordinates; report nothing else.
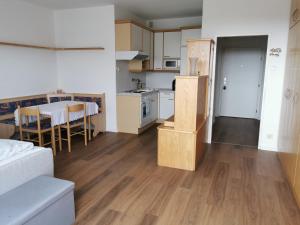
(241, 81)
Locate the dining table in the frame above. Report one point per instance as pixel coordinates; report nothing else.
(57, 111)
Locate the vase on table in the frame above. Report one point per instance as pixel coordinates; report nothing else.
(193, 66)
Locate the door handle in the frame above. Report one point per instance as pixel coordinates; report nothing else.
(225, 83)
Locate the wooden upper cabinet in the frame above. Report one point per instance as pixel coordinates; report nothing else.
(132, 37)
(123, 37)
(295, 12)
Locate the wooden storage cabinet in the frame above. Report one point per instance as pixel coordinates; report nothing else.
(182, 145)
(186, 35)
(131, 37)
(295, 12)
(203, 50)
(290, 114)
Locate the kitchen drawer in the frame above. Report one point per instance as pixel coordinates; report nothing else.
(166, 94)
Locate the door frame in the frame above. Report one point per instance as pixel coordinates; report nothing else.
(212, 84)
(219, 76)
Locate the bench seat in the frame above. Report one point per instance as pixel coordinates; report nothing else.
(43, 200)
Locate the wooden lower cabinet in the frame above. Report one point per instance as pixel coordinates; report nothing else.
(290, 114)
(180, 149)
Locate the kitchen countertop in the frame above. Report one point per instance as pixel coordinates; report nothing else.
(137, 94)
(164, 89)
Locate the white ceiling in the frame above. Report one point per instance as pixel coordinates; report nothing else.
(147, 9)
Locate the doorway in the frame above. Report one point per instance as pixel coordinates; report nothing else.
(239, 79)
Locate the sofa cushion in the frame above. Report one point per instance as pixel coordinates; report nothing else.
(59, 99)
(97, 100)
(28, 200)
(33, 102)
(8, 108)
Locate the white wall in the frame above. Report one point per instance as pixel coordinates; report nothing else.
(171, 23)
(160, 80)
(124, 77)
(88, 71)
(123, 14)
(25, 71)
(244, 17)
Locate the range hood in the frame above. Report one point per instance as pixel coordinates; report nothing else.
(131, 55)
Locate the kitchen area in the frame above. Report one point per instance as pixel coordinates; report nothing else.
(148, 59)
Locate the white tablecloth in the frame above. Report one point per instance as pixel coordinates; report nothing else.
(57, 111)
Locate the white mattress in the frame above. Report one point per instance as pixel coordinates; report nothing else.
(22, 163)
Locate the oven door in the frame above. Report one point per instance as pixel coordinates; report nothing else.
(145, 111)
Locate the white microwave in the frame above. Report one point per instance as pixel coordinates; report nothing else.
(172, 64)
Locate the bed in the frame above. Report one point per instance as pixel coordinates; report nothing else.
(21, 162)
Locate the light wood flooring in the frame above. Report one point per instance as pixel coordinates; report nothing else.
(118, 182)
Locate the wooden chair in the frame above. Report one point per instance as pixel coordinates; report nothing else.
(75, 124)
(38, 127)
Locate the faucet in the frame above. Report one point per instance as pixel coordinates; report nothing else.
(139, 84)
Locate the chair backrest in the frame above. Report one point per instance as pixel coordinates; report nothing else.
(29, 112)
(75, 108)
(59, 97)
(34, 111)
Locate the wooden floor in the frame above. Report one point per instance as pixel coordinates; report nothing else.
(118, 182)
(237, 131)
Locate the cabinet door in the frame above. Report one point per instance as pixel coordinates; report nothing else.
(166, 105)
(146, 41)
(151, 56)
(172, 41)
(136, 38)
(123, 37)
(158, 50)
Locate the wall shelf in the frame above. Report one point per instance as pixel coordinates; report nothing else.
(51, 48)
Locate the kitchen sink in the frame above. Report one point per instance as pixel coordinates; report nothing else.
(139, 91)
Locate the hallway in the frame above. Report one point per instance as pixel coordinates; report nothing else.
(238, 131)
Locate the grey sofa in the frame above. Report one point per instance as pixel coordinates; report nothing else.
(41, 201)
